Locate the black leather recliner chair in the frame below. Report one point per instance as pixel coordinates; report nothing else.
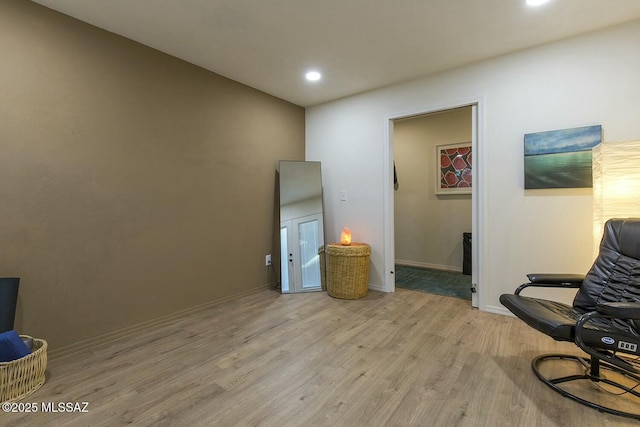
(604, 322)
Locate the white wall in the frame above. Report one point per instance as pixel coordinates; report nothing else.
(592, 79)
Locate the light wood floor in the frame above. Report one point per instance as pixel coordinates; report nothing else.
(400, 359)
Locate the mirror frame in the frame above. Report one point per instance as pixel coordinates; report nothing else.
(300, 202)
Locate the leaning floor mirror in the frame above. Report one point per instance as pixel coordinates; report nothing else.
(301, 226)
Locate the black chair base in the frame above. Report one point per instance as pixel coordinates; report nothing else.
(594, 372)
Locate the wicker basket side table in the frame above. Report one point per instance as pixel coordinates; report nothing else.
(19, 378)
(347, 270)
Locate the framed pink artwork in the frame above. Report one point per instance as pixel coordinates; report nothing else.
(453, 168)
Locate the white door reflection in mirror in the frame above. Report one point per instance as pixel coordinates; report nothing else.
(309, 232)
(284, 256)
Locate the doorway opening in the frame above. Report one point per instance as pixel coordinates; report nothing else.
(475, 109)
(433, 162)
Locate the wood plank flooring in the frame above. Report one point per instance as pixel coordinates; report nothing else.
(402, 359)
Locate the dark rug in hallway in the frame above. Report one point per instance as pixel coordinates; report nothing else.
(439, 282)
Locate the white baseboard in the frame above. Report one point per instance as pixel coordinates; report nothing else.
(429, 265)
(499, 310)
(376, 287)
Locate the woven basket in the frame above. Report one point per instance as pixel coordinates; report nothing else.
(19, 378)
(347, 270)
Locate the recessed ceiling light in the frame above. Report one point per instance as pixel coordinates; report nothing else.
(313, 76)
(536, 2)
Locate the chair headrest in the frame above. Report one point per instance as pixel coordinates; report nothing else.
(619, 253)
(623, 235)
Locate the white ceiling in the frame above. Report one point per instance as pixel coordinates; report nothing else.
(358, 45)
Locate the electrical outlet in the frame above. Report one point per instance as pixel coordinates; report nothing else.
(267, 260)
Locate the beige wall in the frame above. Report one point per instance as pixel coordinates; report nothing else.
(429, 227)
(132, 184)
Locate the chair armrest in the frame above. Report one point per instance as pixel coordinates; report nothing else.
(621, 310)
(559, 279)
(551, 281)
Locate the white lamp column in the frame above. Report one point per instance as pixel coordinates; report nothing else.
(616, 184)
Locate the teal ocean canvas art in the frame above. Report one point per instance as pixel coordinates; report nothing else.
(560, 158)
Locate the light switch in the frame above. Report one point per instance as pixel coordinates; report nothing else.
(343, 195)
